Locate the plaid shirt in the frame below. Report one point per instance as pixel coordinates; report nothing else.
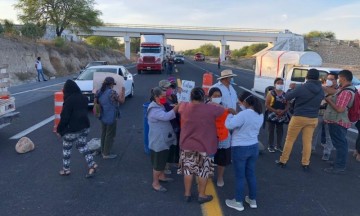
(342, 101)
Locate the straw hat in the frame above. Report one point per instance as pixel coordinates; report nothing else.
(226, 74)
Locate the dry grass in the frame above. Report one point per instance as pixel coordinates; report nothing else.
(56, 63)
(24, 76)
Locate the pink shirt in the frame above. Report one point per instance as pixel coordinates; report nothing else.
(198, 129)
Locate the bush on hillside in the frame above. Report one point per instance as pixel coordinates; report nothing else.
(320, 34)
(59, 42)
(248, 51)
(32, 30)
(103, 42)
(1, 29)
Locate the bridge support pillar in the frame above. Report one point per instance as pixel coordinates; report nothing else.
(222, 49)
(127, 46)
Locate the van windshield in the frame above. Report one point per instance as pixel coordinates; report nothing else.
(150, 50)
(88, 74)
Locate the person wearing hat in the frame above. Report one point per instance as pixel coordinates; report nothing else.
(229, 96)
(109, 101)
(305, 118)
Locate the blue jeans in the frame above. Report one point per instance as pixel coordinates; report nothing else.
(244, 160)
(338, 138)
(40, 72)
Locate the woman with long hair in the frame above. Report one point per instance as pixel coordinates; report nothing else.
(109, 101)
(277, 107)
(244, 148)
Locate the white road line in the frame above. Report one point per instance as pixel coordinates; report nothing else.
(32, 128)
(38, 88)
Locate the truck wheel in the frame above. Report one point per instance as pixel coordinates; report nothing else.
(139, 71)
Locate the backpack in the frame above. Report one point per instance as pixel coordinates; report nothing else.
(354, 110)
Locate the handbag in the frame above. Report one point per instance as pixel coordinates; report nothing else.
(97, 110)
(279, 119)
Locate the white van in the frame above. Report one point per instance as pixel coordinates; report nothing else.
(292, 66)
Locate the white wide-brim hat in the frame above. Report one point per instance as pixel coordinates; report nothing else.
(226, 74)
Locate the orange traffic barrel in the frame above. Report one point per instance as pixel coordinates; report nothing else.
(58, 102)
(207, 82)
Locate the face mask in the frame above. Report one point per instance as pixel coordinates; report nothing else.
(162, 100)
(242, 107)
(328, 83)
(279, 87)
(338, 82)
(216, 100)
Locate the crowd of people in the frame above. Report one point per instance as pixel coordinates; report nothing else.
(219, 128)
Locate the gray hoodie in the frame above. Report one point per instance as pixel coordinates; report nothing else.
(161, 133)
(307, 99)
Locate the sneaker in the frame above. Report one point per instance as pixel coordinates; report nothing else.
(335, 171)
(235, 205)
(278, 149)
(251, 202)
(325, 157)
(110, 156)
(271, 150)
(220, 183)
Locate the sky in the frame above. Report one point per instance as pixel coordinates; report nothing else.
(298, 16)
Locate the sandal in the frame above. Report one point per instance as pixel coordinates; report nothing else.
(92, 171)
(160, 189)
(64, 172)
(166, 180)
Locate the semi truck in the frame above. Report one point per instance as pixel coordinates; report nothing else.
(292, 66)
(7, 103)
(152, 53)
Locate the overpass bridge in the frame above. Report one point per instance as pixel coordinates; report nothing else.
(281, 39)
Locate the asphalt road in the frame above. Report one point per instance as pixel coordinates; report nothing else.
(30, 184)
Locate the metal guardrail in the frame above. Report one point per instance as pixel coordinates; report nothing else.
(168, 27)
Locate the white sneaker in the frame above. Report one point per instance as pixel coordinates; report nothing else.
(235, 205)
(220, 183)
(251, 202)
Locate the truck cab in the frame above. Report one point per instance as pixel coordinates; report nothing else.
(152, 53)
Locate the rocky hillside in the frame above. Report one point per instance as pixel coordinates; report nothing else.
(339, 55)
(20, 56)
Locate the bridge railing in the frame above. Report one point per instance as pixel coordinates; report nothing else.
(168, 27)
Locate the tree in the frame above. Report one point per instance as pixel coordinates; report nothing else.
(320, 34)
(32, 30)
(9, 28)
(1, 29)
(63, 14)
(103, 42)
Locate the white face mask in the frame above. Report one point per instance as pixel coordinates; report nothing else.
(338, 82)
(279, 87)
(329, 83)
(216, 100)
(242, 107)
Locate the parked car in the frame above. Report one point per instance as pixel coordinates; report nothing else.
(179, 59)
(199, 57)
(86, 79)
(93, 63)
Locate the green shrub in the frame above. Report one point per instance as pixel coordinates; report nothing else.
(59, 42)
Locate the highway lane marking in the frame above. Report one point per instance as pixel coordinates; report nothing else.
(33, 128)
(38, 88)
(212, 208)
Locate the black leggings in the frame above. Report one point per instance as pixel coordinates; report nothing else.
(358, 137)
(279, 134)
